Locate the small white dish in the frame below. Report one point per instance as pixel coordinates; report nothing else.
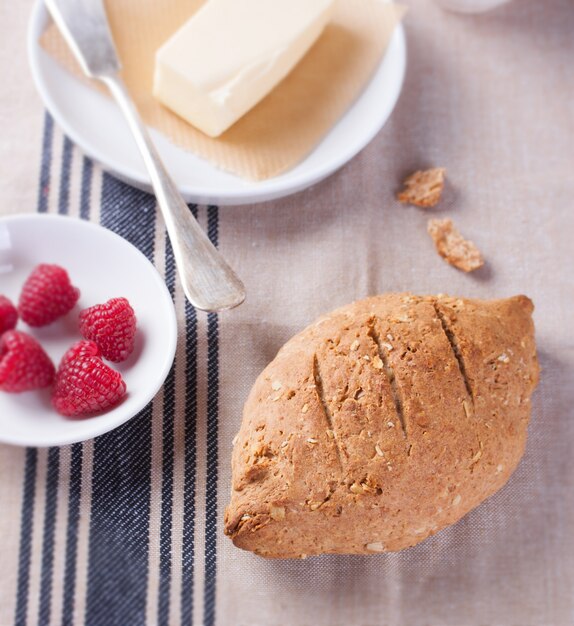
(95, 123)
(102, 265)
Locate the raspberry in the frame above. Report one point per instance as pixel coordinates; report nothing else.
(85, 384)
(23, 363)
(112, 326)
(79, 349)
(8, 315)
(46, 295)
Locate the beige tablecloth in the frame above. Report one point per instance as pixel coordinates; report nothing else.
(127, 529)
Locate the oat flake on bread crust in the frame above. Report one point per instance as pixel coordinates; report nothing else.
(382, 423)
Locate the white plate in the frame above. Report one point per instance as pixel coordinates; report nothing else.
(103, 266)
(93, 122)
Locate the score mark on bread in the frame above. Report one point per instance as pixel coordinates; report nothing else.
(382, 423)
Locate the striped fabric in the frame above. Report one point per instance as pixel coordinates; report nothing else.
(102, 540)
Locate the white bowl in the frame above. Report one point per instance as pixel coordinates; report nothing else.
(95, 123)
(103, 266)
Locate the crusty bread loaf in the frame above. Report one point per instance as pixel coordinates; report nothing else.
(382, 423)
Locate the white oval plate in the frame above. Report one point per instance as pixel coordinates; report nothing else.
(95, 123)
(103, 266)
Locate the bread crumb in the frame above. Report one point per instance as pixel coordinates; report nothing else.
(423, 188)
(377, 363)
(451, 245)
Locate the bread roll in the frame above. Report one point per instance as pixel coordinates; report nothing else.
(382, 423)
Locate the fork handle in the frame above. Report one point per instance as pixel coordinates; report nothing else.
(208, 281)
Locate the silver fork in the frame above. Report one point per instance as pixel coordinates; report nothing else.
(208, 281)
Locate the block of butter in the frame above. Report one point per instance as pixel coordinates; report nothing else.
(231, 54)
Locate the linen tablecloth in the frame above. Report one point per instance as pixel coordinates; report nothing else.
(127, 529)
